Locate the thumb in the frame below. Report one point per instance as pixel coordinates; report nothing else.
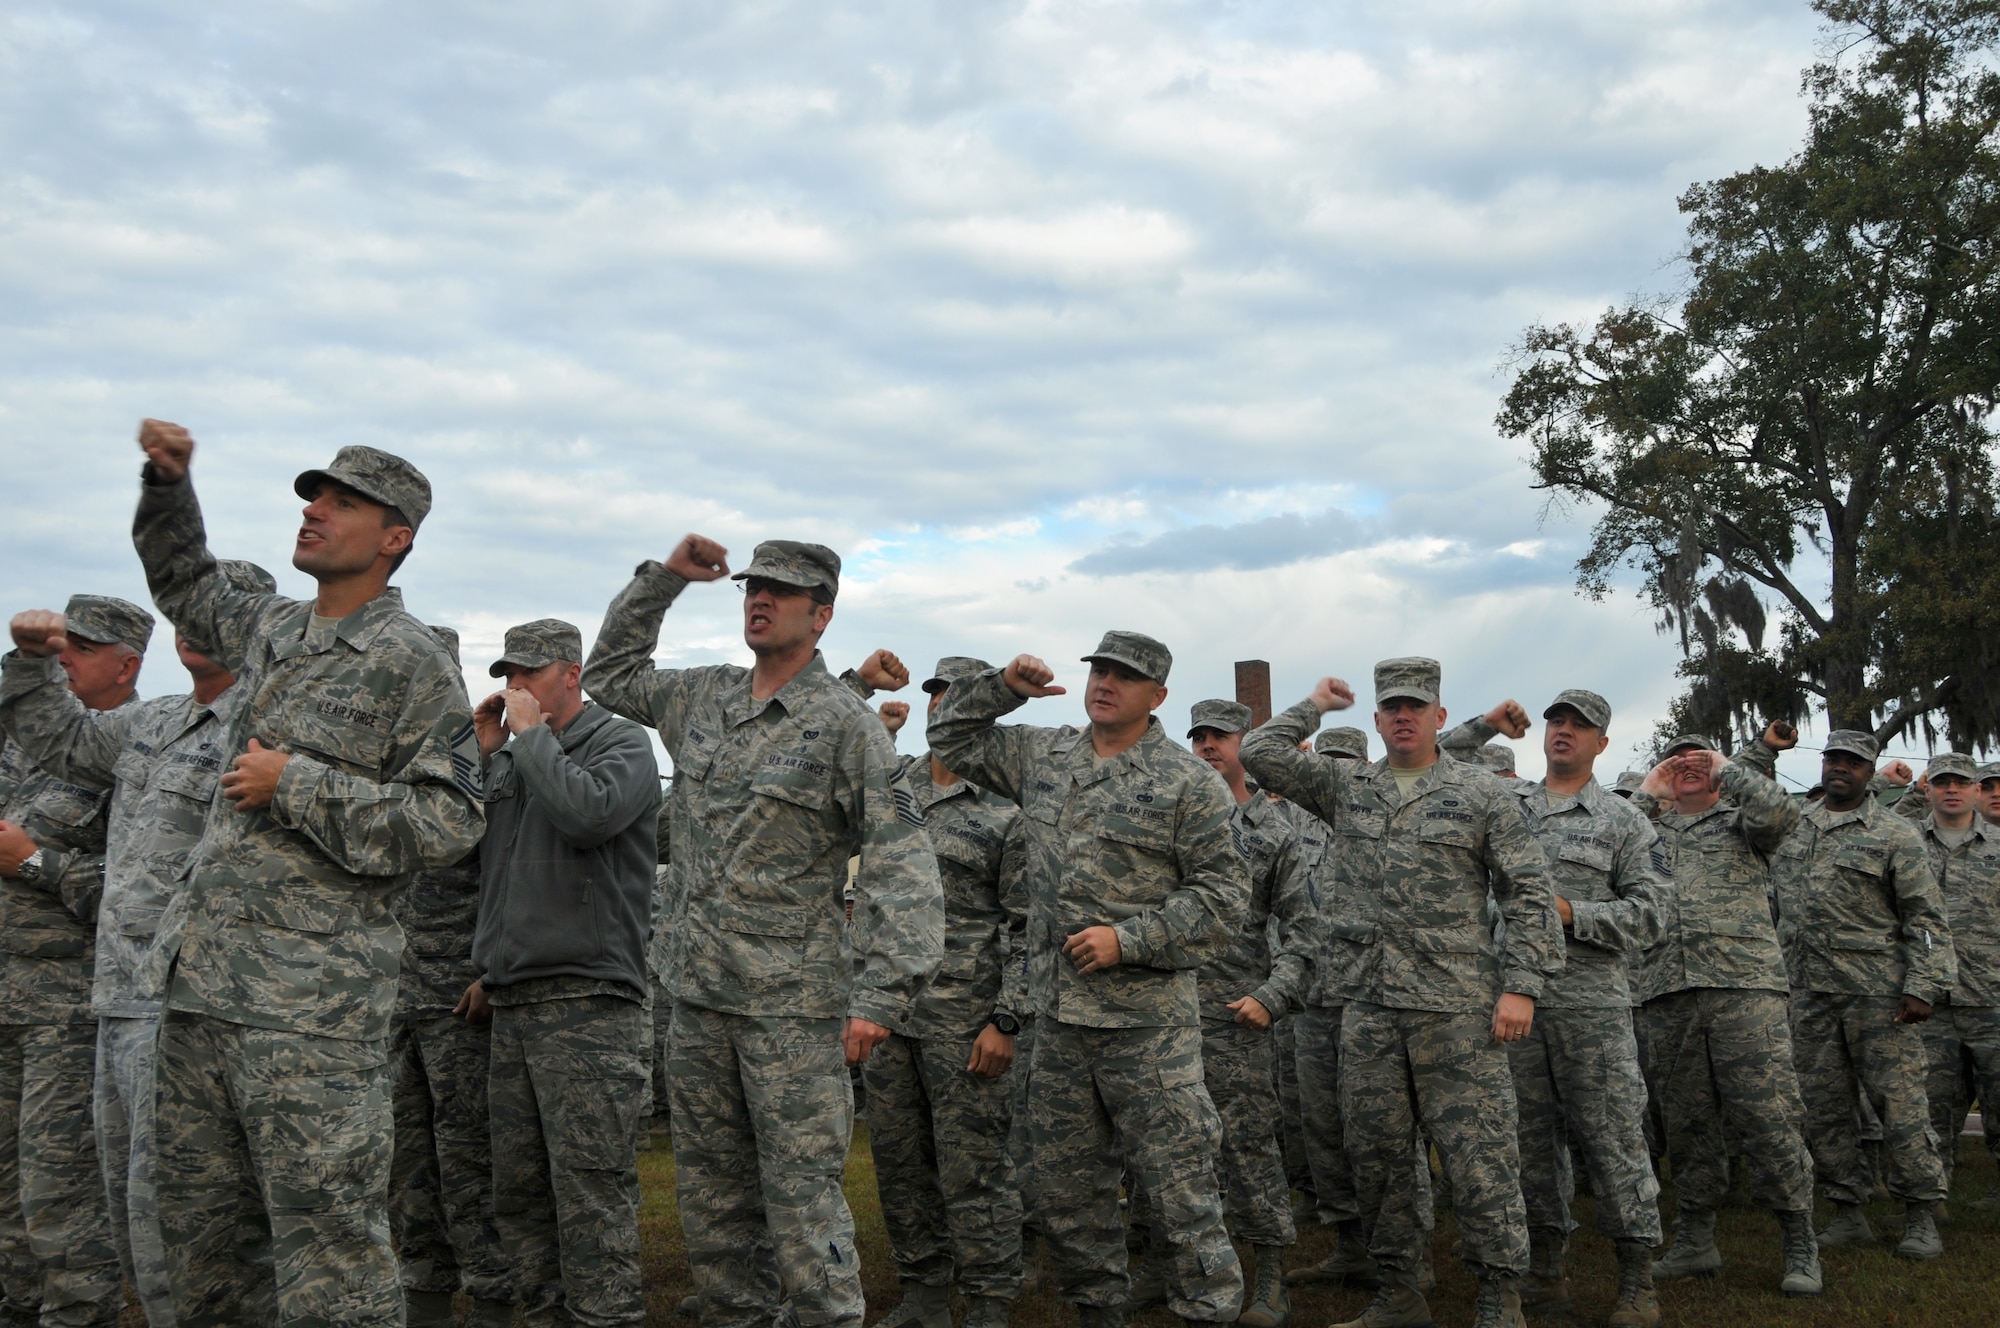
(1053, 690)
(256, 746)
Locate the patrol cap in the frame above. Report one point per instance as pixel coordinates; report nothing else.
(448, 638)
(1343, 741)
(792, 563)
(1409, 675)
(1629, 783)
(1596, 711)
(1854, 742)
(373, 473)
(951, 669)
(1991, 770)
(1496, 756)
(1952, 763)
(1222, 716)
(536, 644)
(1136, 651)
(247, 576)
(105, 620)
(1689, 741)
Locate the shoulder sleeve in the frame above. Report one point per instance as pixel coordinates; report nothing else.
(1271, 754)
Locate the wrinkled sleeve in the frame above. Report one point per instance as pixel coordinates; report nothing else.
(1913, 806)
(67, 739)
(1213, 897)
(898, 926)
(77, 879)
(620, 675)
(1933, 961)
(218, 619)
(1641, 875)
(589, 801)
(1299, 931)
(1013, 892)
(1271, 754)
(1765, 814)
(1534, 947)
(1463, 739)
(428, 812)
(964, 735)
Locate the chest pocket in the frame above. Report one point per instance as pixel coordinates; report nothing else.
(68, 805)
(696, 753)
(347, 745)
(794, 785)
(1361, 821)
(1862, 862)
(963, 845)
(193, 782)
(1447, 829)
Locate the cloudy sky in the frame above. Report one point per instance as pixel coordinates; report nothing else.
(1050, 317)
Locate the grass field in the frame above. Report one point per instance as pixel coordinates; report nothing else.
(1864, 1287)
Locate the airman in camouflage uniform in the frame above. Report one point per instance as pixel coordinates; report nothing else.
(162, 758)
(940, 1096)
(1430, 995)
(1714, 1010)
(773, 792)
(1135, 883)
(1576, 1074)
(58, 1258)
(355, 767)
(1962, 1036)
(441, 1182)
(1868, 951)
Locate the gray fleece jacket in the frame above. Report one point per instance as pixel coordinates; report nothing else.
(566, 877)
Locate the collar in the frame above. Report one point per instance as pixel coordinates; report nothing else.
(587, 720)
(359, 628)
(1084, 766)
(1829, 820)
(1981, 828)
(929, 792)
(793, 697)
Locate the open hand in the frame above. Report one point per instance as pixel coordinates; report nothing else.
(252, 779)
(474, 1007)
(169, 447)
(38, 633)
(1026, 676)
(884, 672)
(699, 558)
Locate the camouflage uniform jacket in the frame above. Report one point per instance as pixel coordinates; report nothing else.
(288, 906)
(162, 758)
(48, 930)
(1859, 909)
(437, 914)
(1316, 845)
(770, 799)
(1408, 927)
(1716, 925)
(982, 857)
(1266, 957)
(1139, 842)
(1608, 862)
(1970, 874)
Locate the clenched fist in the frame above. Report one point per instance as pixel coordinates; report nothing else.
(699, 558)
(38, 633)
(884, 672)
(1331, 694)
(1026, 676)
(169, 447)
(1509, 717)
(894, 715)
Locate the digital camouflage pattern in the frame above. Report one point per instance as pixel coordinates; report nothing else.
(1962, 1036)
(756, 1233)
(1291, 1108)
(1100, 1100)
(48, 928)
(567, 1086)
(288, 917)
(437, 914)
(1237, 1066)
(107, 619)
(1316, 1029)
(1139, 842)
(1268, 955)
(939, 1135)
(274, 1155)
(161, 759)
(381, 476)
(441, 1181)
(1848, 1045)
(122, 1118)
(1962, 1048)
(760, 925)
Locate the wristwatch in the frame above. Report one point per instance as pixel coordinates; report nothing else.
(30, 869)
(1006, 1023)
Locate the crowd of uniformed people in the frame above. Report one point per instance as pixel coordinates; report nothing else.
(328, 996)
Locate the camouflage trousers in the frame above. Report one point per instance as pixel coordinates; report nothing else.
(441, 1182)
(1576, 1075)
(1018, 1147)
(568, 1079)
(1647, 1037)
(57, 1259)
(762, 1116)
(1442, 1072)
(273, 1176)
(662, 1025)
(1962, 1046)
(1100, 1099)
(1722, 1066)
(1291, 1118)
(1849, 1045)
(122, 1110)
(1316, 1034)
(939, 1135)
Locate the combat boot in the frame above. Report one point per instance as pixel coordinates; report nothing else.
(1149, 1283)
(429, 1309)
(923, 1307)
(1849, 1227)
(1100, 1316)
(1636, 1306)
(1693, 1253)
(1269, 1306)
(1802, 1275)
(987, 1312)
(1396, 1305)
(1348, 1265)
(1499, 1306)
(1920, 1234)
(1545, 1290)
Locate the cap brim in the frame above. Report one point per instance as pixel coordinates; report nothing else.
(782, 578)
(499, 666)
(307, 485)
(932, 686)
(1133, 665)
(1406, 693)
(1576, 710)
(1851, 751)
(1218, 728)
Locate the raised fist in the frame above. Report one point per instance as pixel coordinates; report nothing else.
(884, 672)
(1897, 773)
(699, 558)
(169, 447)
(1780, 736)
(38, 633)
(1331, 694)
(1510, 717)
(894, 715)
(1027, 676)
